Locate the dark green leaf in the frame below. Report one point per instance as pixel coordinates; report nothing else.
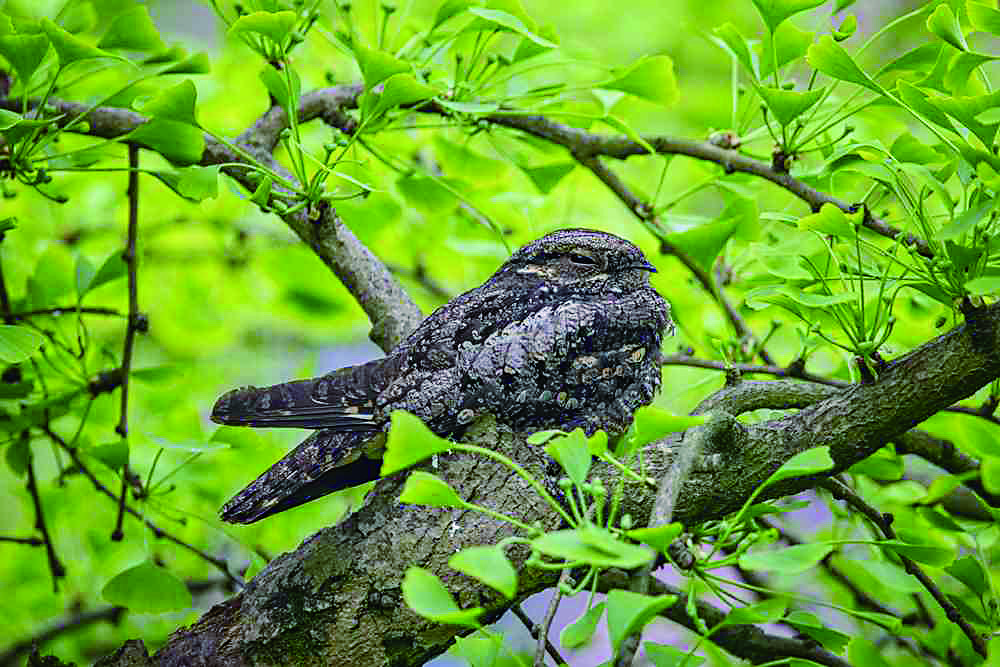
(664, 655)
(450, 8)
(423, 488)
(820, 630)
(147, 589)
(18, 343)
(18, 455)
(967, 221)
(658, 537)
(112, 268)
(277, 85)
(424, 593)
(580, 631)
(410, 442)
(768, 611)
(529, 48)
(651, 78)
(922, 553)
(112, 454)
(489, 565)
(705, 242)
(547, 177)
(193, 183)
(196, 64)
(132, 30)
(970, 572)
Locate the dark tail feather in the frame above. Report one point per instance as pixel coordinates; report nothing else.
(341, 401)
(325, 462)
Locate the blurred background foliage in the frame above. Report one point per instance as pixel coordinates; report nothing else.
(233, 297)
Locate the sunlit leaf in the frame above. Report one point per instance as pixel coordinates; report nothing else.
(178, 142)
(943, 23)
(402, 90)
(24, 53)
(18, 343)
(651, 78)
(736, 44)
(377, 66)
(653, 423)
(767, 611)
(424, 593)
(831, 59)
(508, 21)
(275, 26)
(489, 565)
(775, 12)
(410, 442)
(592, 545)
(628, 611)
(147, 588)
(71, 48)
(176, 103)
(789, 560)
(580, 631)
(815, 627)
(132, 30)
(787, 105)
(572, 454)
(423, 488)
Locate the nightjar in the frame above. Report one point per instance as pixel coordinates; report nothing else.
(565, 334)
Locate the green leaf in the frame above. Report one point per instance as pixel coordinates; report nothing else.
(967, 221)
(653, 423)
(423, 488)
(863, 653)
(547, 177)
(112, 268)
(847, 28)
(907, 148)
(277, 86)
(18, 343)
(775, 12)
(592, 545)
(984, 285)
(450, 8)
(768, 611)
(790, 560)
(811, 625)
(176, 103)
(147, 589)
(424, 593)
(410, 442)
(970, 572)
(489, 565)
(530, 47)
(658, 537)
(966, 110)
(943, 23)
(507, 21)
(572, 454)
(478, 650)
(132, 30)
(983, 17)
(275, 26)
(112, 454)
(922, 553)
(790, 44)
(18, 456)
(809, 462)
(401, 90)
(787, 105)
(580, 631)
(736, 44)
(193, 183)
(628, 612)
(180, 143)
(831, 221)
(377, 66)
(84, 274)
(651, 78)
(884, 465)
(24, 53)
(705, 242)
(70, 48)
(831, 59)
(664, 655)
(196, 64)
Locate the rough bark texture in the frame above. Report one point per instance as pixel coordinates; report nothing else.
(336, 600)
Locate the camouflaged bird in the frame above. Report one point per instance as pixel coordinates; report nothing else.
(565, 334)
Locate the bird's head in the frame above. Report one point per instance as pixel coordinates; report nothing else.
(581, 260)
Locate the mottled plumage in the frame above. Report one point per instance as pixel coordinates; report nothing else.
(565, 334)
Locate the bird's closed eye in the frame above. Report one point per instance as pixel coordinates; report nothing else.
(583, 260)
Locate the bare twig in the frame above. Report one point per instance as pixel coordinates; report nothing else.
(28, 541)
(70, 623)
(884, 524)
(540, 635)
(158, 532)
(55, 566)
(66, 310)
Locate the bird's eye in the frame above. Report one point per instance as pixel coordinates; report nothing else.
(582, 260)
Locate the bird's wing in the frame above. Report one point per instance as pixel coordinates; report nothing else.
(325, 462)
(342, 400)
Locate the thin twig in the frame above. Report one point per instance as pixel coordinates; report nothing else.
(884, 524)
(535, 630)
(158, 532)
(550, 614)
(28, 541)
(67, 310)
(55, 566)
(128, 256)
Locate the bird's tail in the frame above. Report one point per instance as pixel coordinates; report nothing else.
(325, 462)
(342, 400)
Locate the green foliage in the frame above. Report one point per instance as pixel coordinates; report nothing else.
(896, 116)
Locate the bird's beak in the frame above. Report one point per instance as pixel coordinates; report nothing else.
(644, 265)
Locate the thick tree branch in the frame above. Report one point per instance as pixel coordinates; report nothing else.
(336, 600)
